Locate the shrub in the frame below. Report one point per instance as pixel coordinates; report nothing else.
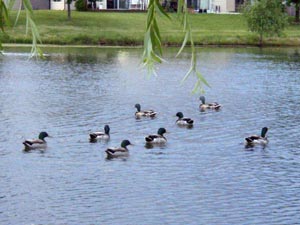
(80, 5)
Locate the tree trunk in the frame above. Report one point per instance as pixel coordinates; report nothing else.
(69, 10)
(297, 8)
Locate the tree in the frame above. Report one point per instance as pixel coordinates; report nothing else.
(265, 17)
(69, 9)
(296, 3)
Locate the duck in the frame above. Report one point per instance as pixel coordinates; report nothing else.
(99, 135)
(256, 139)
(119, 151)
(203, 106)
(36, 143)
(184, 120)
(157, 138)
(145, 113)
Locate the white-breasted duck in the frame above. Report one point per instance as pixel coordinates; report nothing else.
(99, 135)
(145, 113)
(158, 138)
(36, 143)
(184, 120)
(256, 139)
(119, 151)
(203, 106)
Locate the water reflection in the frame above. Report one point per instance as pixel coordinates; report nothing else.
(155, 145)
(200, 171)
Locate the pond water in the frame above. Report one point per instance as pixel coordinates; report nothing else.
(203, 175)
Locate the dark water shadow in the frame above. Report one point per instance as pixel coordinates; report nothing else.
(155, 145)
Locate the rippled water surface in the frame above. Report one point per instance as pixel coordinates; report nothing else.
(203, 175)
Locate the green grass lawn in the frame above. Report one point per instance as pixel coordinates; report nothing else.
(111, 28)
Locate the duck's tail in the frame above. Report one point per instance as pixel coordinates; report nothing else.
(190, 122)
(27, 143)
(153, 114)
(248, 140)
(218, 106)
(148, 139)
(93, 137)
(110, 152)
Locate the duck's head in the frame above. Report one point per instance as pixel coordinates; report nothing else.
(106, 129)
(179, 115)
(43, 135)
(138, 107)
(161, 131)
(125, 143)
(202, 99)
(264, 131)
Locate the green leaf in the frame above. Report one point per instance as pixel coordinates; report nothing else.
(180, 6)
(11, 4)
(187, 34)
(154, 33)
(18, 15)
(34, 30)
(156, 57)
(150, 17)
(202, 79)
(189, 72)
(4, 16)
(151, 2)
(28, 7)
(160, 9)
(155, 26)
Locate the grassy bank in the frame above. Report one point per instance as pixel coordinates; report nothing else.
(103, 28)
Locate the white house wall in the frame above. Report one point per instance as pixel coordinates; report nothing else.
(230, 5)
(205, 4)
(225, 5)
(101, 4)
(61, 5)
(220, 3)
(138, 4)
(57, 5)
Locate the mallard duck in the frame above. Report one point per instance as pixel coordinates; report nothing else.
(183, 120)
(36, 143)
(120, 151)
(204, 106)
(157, 138)
(146, 113)
(256, 139)
(100, 135)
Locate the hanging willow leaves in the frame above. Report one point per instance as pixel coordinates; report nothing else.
(153, 43)
(31, 27)
(152, 40)
(3, 17)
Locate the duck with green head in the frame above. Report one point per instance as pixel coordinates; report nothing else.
(158, 138)
(145, 113)
(99, 135)
(184, 120)
(256, 139)
(203, 106)
(36, 143)
(119, 151)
